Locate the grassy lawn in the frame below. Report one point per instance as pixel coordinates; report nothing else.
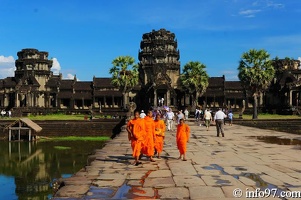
(59, 117)
(268, 116)
(75, 138)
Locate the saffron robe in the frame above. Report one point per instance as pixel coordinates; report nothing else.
(148, 142)
(137, 128)
(183, 134)
(159, 133)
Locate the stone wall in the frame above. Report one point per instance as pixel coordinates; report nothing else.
(51, 128)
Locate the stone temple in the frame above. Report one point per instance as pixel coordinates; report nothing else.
(35, 89)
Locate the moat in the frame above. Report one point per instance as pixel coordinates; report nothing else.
(28, 169)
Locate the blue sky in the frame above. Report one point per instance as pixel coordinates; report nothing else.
(83, 37)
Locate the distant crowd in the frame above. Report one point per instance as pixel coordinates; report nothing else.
(5, 113)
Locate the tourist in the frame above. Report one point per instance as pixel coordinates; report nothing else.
(136, 129)
(197, 114)
(219, 118)
(208, 119)
(159, 133)
(142, 114)
(186, 113)
(162, 101)
(3, 112)
(149, 136)
(180, 116)
(230, 117)
(9, 113)
(182, 137)
(170, 119)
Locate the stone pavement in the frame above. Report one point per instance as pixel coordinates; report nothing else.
(241, 161)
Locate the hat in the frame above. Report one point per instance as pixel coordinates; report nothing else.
(142, 111)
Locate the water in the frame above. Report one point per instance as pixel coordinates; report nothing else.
(28, 169)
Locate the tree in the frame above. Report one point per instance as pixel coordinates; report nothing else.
(123, 77)
(194, 80)
(256, 73)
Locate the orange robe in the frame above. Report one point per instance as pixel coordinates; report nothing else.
(148, 143)
(159, 133)
(138, 129)
(183, 134)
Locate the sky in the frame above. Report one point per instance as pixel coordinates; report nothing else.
(84, 37)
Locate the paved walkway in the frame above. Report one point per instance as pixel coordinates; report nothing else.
(216, 167)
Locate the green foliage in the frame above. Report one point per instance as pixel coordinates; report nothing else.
(76, 138)
(256, 70)
(61, 147)
(194, 78)
(122, 76)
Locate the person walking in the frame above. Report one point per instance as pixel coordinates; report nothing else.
(208, 119)
(170, 119)
(182, 137)
(149, 137)
(136, 129)
(186, 113)
(142, 114)
(179, 116)
(230, 117)
(159, 133)
(219, 118)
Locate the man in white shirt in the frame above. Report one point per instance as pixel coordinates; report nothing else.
(219, 118)
(170, 117)
(142, 114)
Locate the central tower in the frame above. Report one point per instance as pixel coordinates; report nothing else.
(159, 67)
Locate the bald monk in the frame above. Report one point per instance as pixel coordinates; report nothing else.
(159, 133)
(136, 129)
(149, 137)
(183, 134)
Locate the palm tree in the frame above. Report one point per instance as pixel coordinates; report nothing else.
(194, 80)
(123, 77)
(256, 73)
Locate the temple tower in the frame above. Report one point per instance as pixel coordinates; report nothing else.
(32, 73)
(159, 67)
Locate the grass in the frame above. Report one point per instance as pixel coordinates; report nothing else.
(268, 116)
(75, 138)
(61, 147)
(60, 117)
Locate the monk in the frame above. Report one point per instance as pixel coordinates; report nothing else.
(149, 137)
(159, 134)
(183, 134)
(136, 129)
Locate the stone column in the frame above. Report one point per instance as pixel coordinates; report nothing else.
(155, 98)
(168, 98)
(291, 97)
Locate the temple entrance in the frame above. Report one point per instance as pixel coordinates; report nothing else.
(162, 97)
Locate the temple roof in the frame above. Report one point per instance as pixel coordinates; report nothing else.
(83, 85)
(53, 81)
(66, 84)
(103, 82)
(216, 81)
(9, 82)
(236, 85)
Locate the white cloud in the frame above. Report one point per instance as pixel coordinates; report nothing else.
(56, 67)
(68, 76)
(249, 13)
(7, 66)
